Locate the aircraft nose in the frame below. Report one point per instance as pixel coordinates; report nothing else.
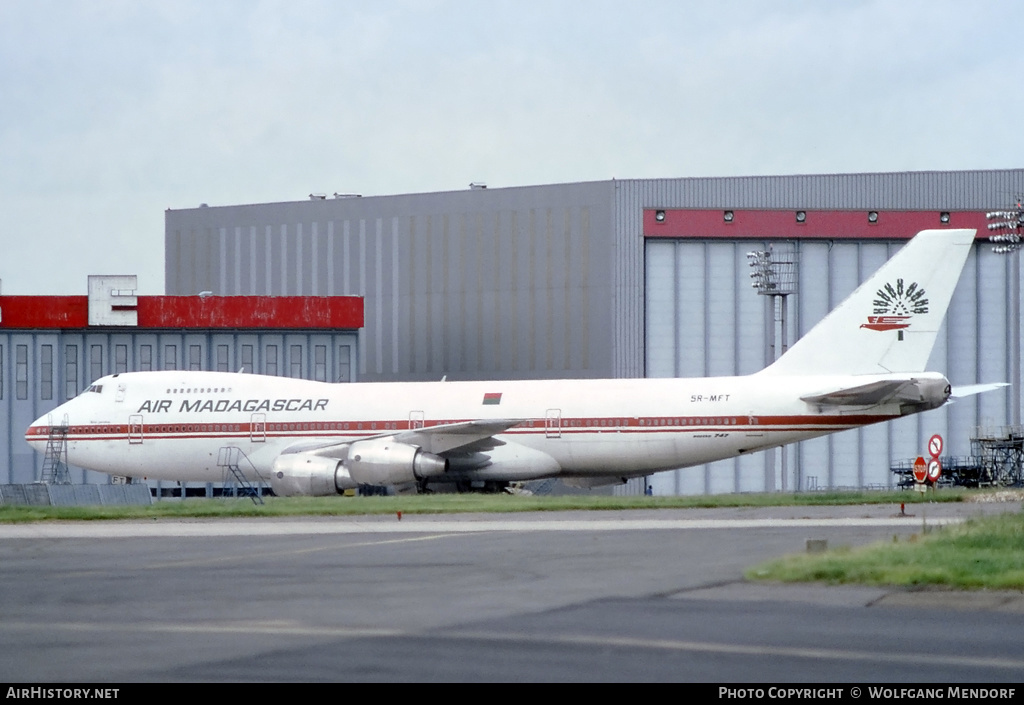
(37, 433)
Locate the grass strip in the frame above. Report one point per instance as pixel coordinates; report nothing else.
(455, 503)
(983, 553)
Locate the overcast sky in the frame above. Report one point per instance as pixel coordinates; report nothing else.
(112, 111)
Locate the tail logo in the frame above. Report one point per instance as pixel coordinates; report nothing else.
(895, 305)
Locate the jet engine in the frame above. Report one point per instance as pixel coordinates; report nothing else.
(385, 461)
(305, 475)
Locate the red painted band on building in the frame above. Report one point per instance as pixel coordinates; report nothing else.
(219, 312)
(44, 311)
(821, 225)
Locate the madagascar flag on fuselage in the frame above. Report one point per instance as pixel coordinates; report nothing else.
(492, 398)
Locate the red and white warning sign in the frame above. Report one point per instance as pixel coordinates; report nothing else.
(934, 470)
(935, 446)
(920, 469)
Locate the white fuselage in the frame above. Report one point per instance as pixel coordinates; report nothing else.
(174, 425)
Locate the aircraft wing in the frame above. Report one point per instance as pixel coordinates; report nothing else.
(465, 437)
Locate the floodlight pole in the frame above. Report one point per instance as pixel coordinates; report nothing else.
(775, 278)
(1015, 342)
(1010, 224)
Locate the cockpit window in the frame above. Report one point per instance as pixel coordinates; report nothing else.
(98, 388)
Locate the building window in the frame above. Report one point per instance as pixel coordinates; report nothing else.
(70, 371)
(320, 363)
(146, 358)
(170, 357)
(222, 358)
(46, 372)
(95, 362)
(21, 372)
(295, 354)
(120, 358)
(247, 365)
(345, 363)
(194, 357)
(271, 360)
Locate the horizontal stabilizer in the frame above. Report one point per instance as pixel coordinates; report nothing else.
(926, 389)
(860, 395)
(967, 390)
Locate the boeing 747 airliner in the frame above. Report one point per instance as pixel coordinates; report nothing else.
(862, 364)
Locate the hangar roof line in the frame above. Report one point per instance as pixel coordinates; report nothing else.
(820, 191)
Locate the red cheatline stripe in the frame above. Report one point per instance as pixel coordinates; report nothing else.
(676, 424)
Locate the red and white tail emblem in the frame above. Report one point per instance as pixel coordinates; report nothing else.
(896, 305)
(886, 322)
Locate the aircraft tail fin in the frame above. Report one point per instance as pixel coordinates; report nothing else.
(889, 323)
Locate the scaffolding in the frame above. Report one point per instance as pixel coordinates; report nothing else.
(1001, 453)
(996, 460)
(957, 471)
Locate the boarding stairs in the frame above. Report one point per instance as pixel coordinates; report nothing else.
(228, 458)
(55, 459)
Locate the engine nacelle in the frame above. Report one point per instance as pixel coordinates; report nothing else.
(385, 461)
(308, 475)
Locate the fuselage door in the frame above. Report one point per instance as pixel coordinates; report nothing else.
(135, 429)
(753, 432)
(553, 423)
(121, 388)
(258, 428)
(415, 420)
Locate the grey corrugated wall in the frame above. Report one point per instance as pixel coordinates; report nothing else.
(476, 284)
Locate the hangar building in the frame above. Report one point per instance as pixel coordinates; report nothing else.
(630, 278)
(53, 347)
(625, 279)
